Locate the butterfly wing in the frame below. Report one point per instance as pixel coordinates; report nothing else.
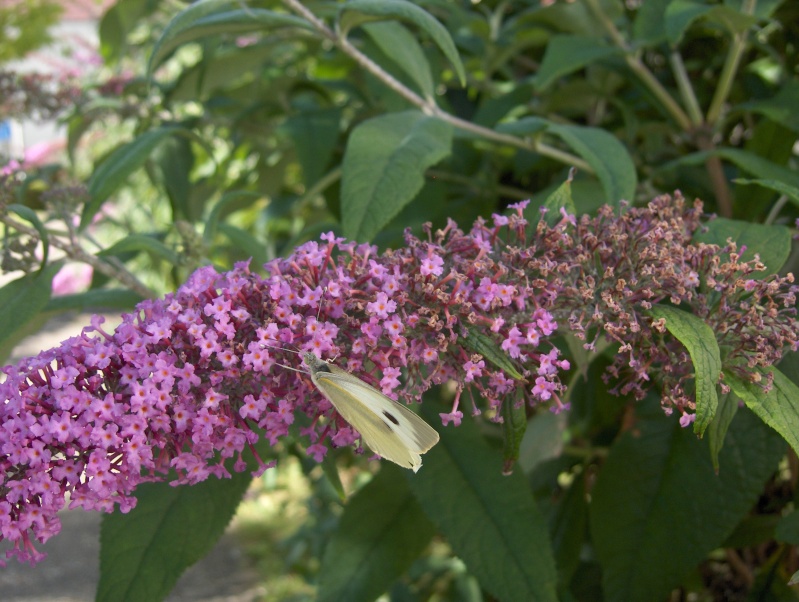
(387, 427)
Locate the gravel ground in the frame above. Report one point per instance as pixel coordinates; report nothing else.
(70, 572)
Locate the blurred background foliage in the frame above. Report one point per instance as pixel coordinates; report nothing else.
(224, 130)
(24, 26)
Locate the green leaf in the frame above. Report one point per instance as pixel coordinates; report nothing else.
(648, 28)
(717, 431)
(117, 22)
(543, 440)
(141, 242)
(606, 155)
(220, 70)
(792, 192)
(760, 167)
(566, 54)
(514, 424)
(409, 12)
(749, 162)
(34, 326)
(118, 166)
(494, 108)
(404, 50)
(568, 529)
(679, 16)
(772, 243)
(779, 408)
(483, 344)
(175, 160)
(526, 126)
(490, 520)
(789, 366)
(780, 108)
(382, 531)
(314, 134)
(561, 198)
(98, 299)
(788, 528)
(330, 468)
(143, 553)
(22, 299)
(29, 214)
(645, 504)
(229, 203)
(246, 242)
(699, 340)
(754, 530)
(211, 17)
(604, 152)
(384, 165)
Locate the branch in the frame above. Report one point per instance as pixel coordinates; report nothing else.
(73, 251)
(429, 107)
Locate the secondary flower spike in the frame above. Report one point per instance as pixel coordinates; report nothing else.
(191, 380)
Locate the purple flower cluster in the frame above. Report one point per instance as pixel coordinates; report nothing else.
(604, 273)
(193, 380)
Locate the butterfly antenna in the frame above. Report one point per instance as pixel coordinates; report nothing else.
(321, 302)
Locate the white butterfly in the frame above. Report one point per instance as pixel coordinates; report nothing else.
(387, 427)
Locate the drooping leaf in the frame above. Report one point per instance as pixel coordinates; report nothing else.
(779, 408)
(462, 490)
(95, 300)
(649, 25)
(117, 22)
(314, 134)
(699, 340)
(717, 431)
(609, 158)
(22, 299)
(144, 552)
(749, 162)
(119, 165)
(779, 108)
(483, 344)
(382, 531)
(606, 155)
(141, 242)
(679, 16)
(174, 159)
(566, 54)
(651, 476)
(514, 416)
(792, 192)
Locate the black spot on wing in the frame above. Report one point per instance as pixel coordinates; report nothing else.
(323, 367)
(391, 417)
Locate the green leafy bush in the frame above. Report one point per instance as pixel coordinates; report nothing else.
(254, 128)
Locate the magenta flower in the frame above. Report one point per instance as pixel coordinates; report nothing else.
(194, 379)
